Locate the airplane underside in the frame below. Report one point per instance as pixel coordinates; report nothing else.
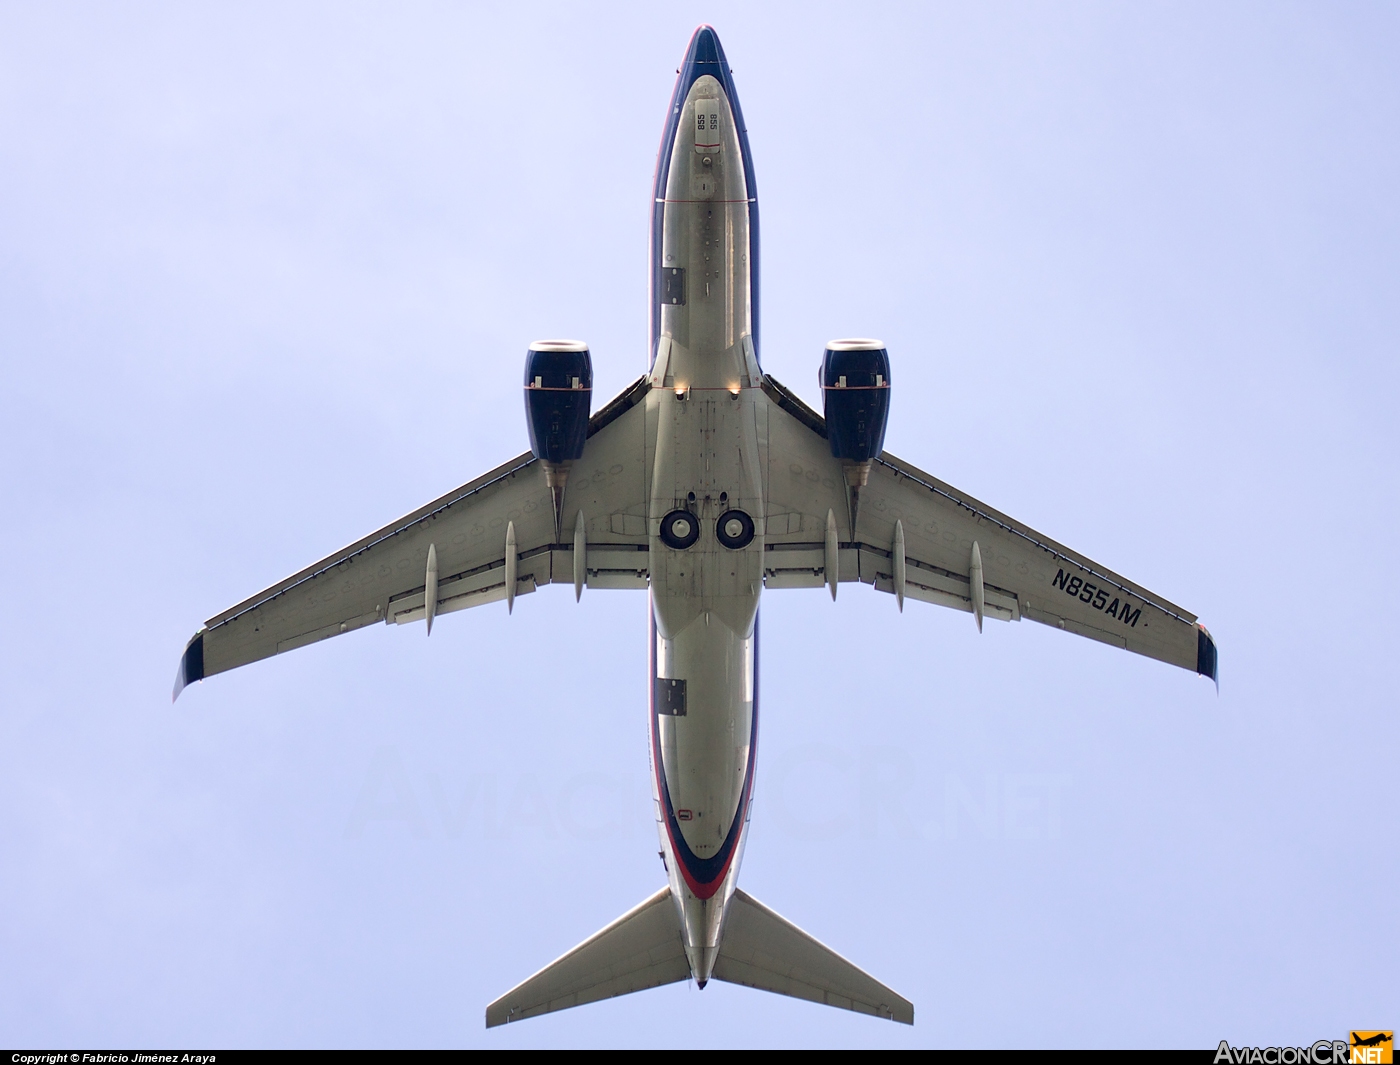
(706, 483)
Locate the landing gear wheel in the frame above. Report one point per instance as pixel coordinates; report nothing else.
(680, 529)
(734, 529)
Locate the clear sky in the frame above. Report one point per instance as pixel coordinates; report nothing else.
(267, 276)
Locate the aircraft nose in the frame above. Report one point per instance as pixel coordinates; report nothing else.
(704, 56)
(704, 45)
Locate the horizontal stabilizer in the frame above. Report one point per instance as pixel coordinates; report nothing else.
(641, 949)
(762, 950)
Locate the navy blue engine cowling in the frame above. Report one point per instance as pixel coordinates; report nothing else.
(558, 394)
(855, 380)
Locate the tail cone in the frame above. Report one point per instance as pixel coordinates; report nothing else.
(702, 963)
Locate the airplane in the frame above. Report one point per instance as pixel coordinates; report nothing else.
(1373, 1040)
(706, 483)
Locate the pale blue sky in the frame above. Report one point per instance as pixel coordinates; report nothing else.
(267, 275)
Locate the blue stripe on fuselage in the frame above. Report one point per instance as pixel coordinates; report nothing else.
(704, 56)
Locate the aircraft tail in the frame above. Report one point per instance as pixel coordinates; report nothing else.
(643, 948)
(762, 950)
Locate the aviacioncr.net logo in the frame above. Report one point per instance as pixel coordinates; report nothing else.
(1373, 1048)
(1364, 1048)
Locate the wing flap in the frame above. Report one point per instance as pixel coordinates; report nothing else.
(476, 587)
(798, 565)
(641, 949)
(996, 605)
(763, 950)
(614, 565)
(794, 565)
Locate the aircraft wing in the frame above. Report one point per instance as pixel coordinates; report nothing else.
(1024, 573)
(383, 577)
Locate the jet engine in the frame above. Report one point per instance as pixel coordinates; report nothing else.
(558, 395)
(855, 380)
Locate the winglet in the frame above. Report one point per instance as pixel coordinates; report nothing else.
(191, 665)
(1207, 658)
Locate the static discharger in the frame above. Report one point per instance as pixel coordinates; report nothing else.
(832, 555)
(580, 556)
(974, 578)
(899, 564)
(430, 588)
(512, 560)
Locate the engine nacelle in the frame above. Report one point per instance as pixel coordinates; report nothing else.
(558, 395)
(855, 380)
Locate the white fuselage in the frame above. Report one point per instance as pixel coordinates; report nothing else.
(704, 597)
